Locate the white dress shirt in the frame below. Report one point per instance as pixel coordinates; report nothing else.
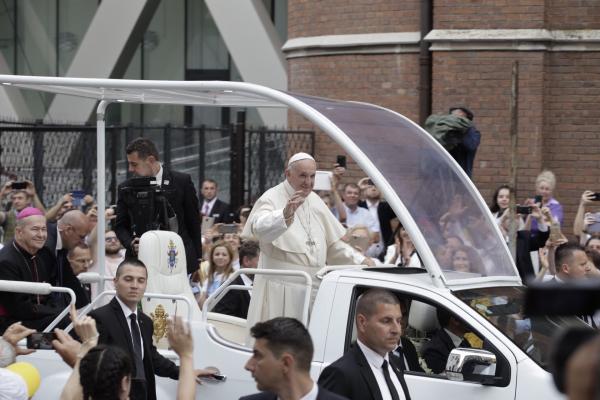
(127, 312)
(375, 362)
(312, 395)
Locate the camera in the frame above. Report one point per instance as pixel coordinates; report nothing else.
(538, 199)
(549, 299)
(524, 210)
(40, 340)
(341, 161)
(596, 196)
(18, 185)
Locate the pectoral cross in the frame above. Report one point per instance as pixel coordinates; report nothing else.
(311, 242)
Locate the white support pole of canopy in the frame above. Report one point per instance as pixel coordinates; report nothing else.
(101, 195)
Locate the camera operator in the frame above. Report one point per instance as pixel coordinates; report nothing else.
(175, 188)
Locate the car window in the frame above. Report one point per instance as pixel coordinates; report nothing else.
(430, 331)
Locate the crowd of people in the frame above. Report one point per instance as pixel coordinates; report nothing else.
(290, 227)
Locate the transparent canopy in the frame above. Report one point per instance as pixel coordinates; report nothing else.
(435, 201)
(446, 207)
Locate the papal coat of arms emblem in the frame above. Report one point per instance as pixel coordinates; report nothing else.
(172, 256)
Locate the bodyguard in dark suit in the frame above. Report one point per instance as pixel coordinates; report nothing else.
(178, 189)
(211, 206)
(365, 371)
(448, 337)
(280, 364)
(117, 327)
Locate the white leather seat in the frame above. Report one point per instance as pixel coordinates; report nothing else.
(423, 317)
(164, 255)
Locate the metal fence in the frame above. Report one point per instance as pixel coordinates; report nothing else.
(62, 158)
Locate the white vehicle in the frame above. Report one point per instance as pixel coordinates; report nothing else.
(421, 183)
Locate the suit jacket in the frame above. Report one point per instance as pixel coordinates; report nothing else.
(436, 352)
(323, 394)
(181, 194)
(64, 273)
(220, 211)
(526, 243)
(235, 302)
(351, 376)
(114, 330)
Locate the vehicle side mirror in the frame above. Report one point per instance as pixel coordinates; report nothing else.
(472, 365)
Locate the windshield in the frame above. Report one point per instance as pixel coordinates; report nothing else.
(446, 207)
(503, 307)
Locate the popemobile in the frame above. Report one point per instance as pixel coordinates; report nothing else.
(508, 353)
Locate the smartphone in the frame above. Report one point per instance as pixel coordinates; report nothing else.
(524, 210)
(40, 340)
(207, 223)
(596, 196)
(228, 228)
(18, 185)
(595, 227)
(78, 196)
(323, 180)
(341, 161)
(212, 378)
(538, 199)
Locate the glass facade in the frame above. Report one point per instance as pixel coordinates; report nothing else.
(182, 42)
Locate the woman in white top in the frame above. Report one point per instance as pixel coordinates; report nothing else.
(402, 253)
(220, 267)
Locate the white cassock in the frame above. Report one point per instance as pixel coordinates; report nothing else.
(308, 244)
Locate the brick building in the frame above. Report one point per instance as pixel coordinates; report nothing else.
(370, 51)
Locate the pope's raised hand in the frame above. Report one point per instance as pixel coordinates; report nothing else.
(293, 203)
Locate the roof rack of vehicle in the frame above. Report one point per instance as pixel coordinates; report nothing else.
(386, 268)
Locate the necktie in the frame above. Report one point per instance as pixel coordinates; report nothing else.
(137, 348)
(402, 364)
(388, 381)
(206, 210)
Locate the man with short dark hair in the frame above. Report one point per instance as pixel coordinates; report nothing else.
(365, 371)
(119, 323)
(448, 337)
(356, 215)
(212, 206)
(280, 363)
(571, 262)
(179, 192)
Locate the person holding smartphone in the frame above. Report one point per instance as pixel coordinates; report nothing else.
(22, 194)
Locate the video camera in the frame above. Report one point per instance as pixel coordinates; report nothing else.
(581, 298)
(148, 206)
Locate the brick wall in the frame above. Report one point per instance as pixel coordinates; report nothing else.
(507, 14)
(389, 80)
(559, 115)
(335, 17)
(572, 125)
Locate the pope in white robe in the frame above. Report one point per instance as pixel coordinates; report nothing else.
(296, 231)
